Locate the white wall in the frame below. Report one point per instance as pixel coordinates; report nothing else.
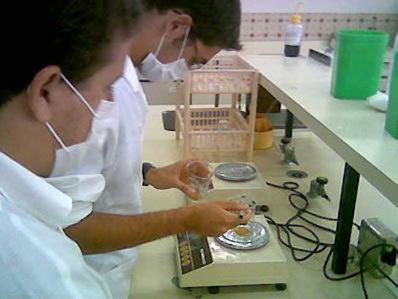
(322, 6)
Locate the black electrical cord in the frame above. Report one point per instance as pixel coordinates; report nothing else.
(319, 246)
(361, 269)
(293, 186)
(288, 227)
(317, 225)
(395, 284)
(360, 272)
(288, 242)
(299, 213)
(326, 274)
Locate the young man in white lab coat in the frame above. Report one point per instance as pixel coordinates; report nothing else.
(38, 110)
(107, 220)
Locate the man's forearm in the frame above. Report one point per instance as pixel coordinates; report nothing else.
(100, 233)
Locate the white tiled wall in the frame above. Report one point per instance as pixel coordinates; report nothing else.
(323, 6)
(317, 26)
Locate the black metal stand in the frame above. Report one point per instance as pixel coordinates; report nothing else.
(345, 219)
(289, 124)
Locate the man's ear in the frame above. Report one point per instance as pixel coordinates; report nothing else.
(177, 25)
(40, 90)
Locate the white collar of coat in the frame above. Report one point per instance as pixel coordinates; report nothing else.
(32, 194)
(130, 74)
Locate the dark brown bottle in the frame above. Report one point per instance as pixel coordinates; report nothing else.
(292, 51)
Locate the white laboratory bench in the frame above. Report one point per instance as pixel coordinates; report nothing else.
(352, 129)
(156, 267)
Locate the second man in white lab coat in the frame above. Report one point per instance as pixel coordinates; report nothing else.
(107, 220)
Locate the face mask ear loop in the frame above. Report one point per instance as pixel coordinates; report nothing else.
(206, 64)
(79, 95)
(161, 42)
(184, 43)
(55, 135)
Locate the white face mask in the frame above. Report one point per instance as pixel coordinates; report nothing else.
(77, 168)
(155, 70)
(97, 151)
(84, 101)
(93, 154)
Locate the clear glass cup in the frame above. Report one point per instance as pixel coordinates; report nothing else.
(198, 175)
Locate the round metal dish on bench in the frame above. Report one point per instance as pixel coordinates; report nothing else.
(257, 237)
(235, 172)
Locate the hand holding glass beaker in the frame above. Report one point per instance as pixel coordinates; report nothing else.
(197, 175)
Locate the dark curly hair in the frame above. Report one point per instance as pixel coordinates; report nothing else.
(215, 22)
(72, 34)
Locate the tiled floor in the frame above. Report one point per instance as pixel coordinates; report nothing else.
(156, 267)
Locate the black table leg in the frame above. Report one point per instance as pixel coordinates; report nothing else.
(289, 124)
(217, 101)
(345, 219)
(248, 102)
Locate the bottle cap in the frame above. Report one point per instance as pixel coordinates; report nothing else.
(296, 19)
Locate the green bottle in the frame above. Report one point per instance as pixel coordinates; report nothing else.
(392, 110)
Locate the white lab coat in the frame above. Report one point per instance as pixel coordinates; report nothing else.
(122, 194)
(118, 160)
(37, 260)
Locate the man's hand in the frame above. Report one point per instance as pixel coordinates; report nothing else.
(214, 218)
(99, 233)
(170, 177)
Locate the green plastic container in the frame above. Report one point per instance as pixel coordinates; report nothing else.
(358, 62)
(392, 110)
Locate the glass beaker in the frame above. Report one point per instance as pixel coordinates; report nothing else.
(198, 175)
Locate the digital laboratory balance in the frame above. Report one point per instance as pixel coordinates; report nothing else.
(253, 257)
